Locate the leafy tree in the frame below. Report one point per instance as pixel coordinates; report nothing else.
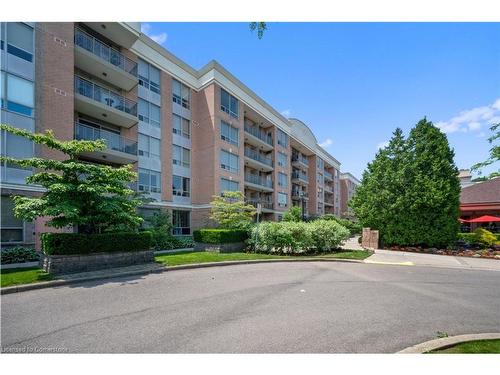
(91, 197)
(293, 214)
(494, 153)
(230, 210)
(410, 191)
(260, 27)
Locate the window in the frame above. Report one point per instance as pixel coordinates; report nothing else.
(181, 186)
(149, 76)
(17, 94)
(181, 126)
(282, 180)
(228, 185)
(229, 133)
(20, 40)
(282, 199)
(149, 146)
(229, 103)
(181, 222)
(149, 112)
(149, 181)
(282, 138)
(282, 159)
(181, 156)
(319, 178)
(320, 164)
(12, 227)
(229, 161)
(181, 94)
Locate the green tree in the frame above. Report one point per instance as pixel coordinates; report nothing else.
(410, 191)
(230, 210)
(260, 27)
(294, 213)
(494, 153)
(90, 197)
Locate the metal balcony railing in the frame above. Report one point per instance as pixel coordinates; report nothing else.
(328, 189)
(265, 204)
(259, 133)
(300, 159)
(258, 180)
(299, 193)
(113, 141)
(95, 92)
(255, 155)
(105, 52)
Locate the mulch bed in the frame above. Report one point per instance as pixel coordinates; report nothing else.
(471, 253)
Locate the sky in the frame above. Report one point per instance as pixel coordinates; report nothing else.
(353, 84)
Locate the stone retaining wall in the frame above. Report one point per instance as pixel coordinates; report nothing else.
(220, 248)
(65, 264)
(369, 238)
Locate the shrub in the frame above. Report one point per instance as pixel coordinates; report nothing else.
(217, 236)
(298, 237)
(18, 254)
(484, 237)
(75, 243)
(165, 241)
(470, 238)
(293, 214)
(354, 227)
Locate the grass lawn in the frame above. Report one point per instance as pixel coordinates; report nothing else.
(472, 347)
(16, 276)
(190, 257)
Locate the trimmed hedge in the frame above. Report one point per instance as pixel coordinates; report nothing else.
(165, 241)
(217, 236)
(75, 243)
(18, 254)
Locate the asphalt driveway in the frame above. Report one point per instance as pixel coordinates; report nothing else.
(259, 308)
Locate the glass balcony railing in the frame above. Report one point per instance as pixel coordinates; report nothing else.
(105, 52)
(300, 175)
(259, 133)
(255, 155)
(100, 94)
(328, 189)
(258, 180)
(113, 141)
(299, 194)
(300, 159)
(328, 175)
(264, 204)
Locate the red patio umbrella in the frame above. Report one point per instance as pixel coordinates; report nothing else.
(463, 220)
(485, 219)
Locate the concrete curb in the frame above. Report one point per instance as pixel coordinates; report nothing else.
(55, 283)
(446, 342)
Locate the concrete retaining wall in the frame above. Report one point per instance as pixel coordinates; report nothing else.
(220, 248)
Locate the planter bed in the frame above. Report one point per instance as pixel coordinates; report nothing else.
(485, 253)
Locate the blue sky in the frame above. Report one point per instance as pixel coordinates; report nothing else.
(354, 83)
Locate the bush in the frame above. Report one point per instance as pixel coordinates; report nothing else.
(165, 241)
(469, 238)
(18, 254)
(294, 213)
(353, 226)
(298, 237)
(484, 237)
(75, 243)
(217, 236)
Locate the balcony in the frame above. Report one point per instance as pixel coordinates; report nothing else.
(100, 60)
(267, 206)
(328, 176)
(120, 150)
(299, 194)
(259, 138)
(300, 161)
(328, 189)
(300, 178)
(122, 33)
(258, 183)
(101, 103)
(257, 160)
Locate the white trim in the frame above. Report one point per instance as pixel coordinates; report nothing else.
(4, 185)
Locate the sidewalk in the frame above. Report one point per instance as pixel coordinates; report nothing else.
(352, 244)
(418, 259)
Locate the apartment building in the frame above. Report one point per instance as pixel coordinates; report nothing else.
(190, 134)
(348, 185)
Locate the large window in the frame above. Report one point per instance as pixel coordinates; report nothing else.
(228, 185)
(282, 199)
(181, 223)
(282, 138)
(149, 112)
(17, 94)
(180, 126)
(181, 186)
(181, 94)
(320, 164)
(282, 180)
(19, 40)
(229, 133)
(229, 103)
(181, 156)
(149, 76)
(149, 181)
(12, 227)
(149, 146)
(229, 162)
(282, 159)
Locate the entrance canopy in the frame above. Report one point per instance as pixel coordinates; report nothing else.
(484, 219)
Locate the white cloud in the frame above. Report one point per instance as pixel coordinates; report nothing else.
(158, 38)
(382, 145)
(286, 113)
(472, 119)
(326, 143)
